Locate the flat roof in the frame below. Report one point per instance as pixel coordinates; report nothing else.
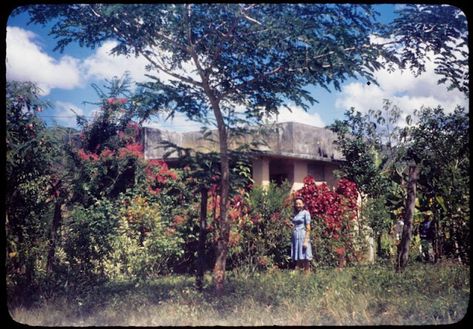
(284, 140)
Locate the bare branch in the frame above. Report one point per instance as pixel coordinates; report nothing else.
(250, 18)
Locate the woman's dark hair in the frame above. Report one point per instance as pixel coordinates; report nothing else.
(294, 204)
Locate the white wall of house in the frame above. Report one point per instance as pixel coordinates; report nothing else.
(261, 171)
(300, 172)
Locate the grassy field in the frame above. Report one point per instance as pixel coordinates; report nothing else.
(368, 295)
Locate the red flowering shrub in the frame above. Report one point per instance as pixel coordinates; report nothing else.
(333, 213)
(135, 149)
(157, 174)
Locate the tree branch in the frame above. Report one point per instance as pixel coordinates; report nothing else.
(169, 72)
(149, 59)
(248, 17)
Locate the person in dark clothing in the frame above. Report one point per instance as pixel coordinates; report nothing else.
(427, 236)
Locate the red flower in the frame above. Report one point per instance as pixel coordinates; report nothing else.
(135, 150)
(87, 156)
(233, 214)
(173, 175)
(106, 153)
(340, 251)
(179, 220)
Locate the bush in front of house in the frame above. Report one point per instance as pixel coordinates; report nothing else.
(262, 225)
(334, 214)
(261, 232)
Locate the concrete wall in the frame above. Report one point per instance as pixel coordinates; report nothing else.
(288, 139)
(300, 172)
(298, 140)
(261, 171)
(292, 150)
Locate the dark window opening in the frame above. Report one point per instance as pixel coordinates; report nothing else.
(281, 170)
(278, 179)
(317, 170)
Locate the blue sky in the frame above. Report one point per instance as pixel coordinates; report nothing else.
(66, 80)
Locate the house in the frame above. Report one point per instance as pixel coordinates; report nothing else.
(291, 151)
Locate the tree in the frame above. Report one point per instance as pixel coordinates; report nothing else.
(30, 153)
(258, 57)
(409, 208)
(438, 144)
(421, 31)
(202, 173)
(370, 144)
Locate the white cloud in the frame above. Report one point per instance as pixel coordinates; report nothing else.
(103, 65)
(299, 115)
(63, 115)
(180, 123)
(403, 89)
(26, 61)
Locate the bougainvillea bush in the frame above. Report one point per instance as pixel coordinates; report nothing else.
(138, 198)
(334, 214)
(260, 236)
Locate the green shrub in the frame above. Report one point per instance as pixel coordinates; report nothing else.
(144, 244)
(89, 235)
(261, 237)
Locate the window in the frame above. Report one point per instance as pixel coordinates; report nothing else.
(317, 170)
(281, 170)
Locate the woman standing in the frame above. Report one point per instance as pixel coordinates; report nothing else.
(301, 250)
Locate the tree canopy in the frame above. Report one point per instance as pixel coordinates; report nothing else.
(441, 31)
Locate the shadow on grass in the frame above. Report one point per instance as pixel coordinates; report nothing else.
(437, 293)
(241, 290)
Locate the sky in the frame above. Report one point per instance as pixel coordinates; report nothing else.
(66, 81)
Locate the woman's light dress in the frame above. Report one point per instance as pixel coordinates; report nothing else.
(298, 252)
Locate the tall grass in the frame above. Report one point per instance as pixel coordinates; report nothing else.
(369, 295)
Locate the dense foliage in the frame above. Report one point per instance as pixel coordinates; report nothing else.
(378, 152)
(261, 234)
(30, 154)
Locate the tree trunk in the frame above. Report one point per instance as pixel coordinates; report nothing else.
(379, 249)
(403, 254)
(456, 246)
(202, 238)
(223, 231)
(53, 235)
